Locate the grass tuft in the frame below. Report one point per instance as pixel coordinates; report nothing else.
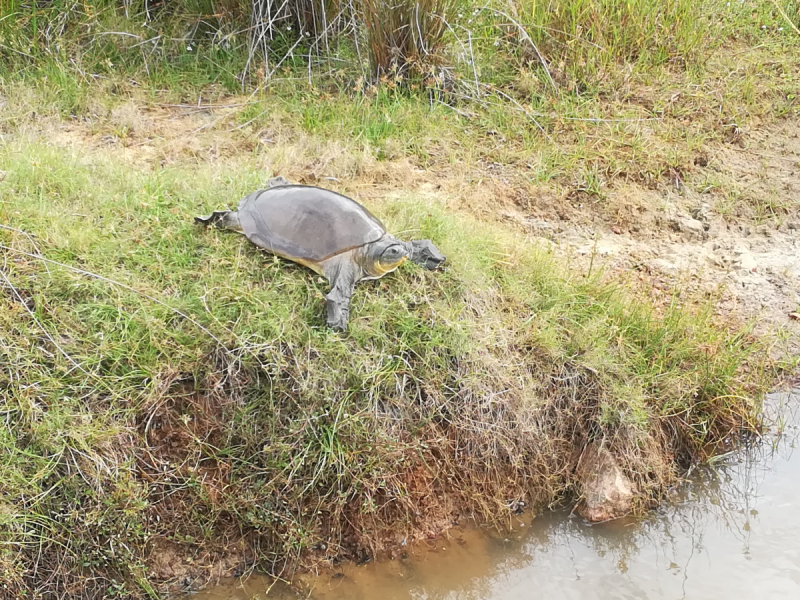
(406, 38)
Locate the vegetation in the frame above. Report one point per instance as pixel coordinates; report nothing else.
(171, 395)
(631, 91)
(124, 420)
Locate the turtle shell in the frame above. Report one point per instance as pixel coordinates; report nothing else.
(306, 224)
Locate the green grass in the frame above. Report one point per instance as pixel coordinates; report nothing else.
(125, 423)
(190, 402)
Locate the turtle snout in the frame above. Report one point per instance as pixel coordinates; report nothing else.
(425, 254)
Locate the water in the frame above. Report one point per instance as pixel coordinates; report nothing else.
(733, 532)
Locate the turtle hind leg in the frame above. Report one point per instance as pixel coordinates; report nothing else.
(278, 181)
(221, 219)
(425, 254)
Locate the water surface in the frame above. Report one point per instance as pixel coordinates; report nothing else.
(732, 532)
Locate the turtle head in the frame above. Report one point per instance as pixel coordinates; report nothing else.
(384, 256)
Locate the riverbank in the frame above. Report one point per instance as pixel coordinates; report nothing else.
(721, 532)
(175, 409)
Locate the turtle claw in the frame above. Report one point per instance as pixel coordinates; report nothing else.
(425, 254)
(205, 220)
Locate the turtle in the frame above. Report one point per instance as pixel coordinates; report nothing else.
(327, 232)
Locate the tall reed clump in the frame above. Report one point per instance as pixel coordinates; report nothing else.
(244, 39)
(585, 38)
(405, 36)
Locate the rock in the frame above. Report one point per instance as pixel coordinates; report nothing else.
(702, 212)
(670, 210)
(763, 230)
(607, 492)
(747, 262)
(793, 225)
(540, 227)
(663, 265)
(692, 228)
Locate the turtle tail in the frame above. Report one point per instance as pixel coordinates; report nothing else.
(221, 219)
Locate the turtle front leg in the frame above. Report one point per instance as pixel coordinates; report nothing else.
(425, 254)
(343, 275)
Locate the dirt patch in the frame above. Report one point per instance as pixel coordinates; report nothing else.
(755, 271)
(761, 173)
(729, 230)
(188, 568)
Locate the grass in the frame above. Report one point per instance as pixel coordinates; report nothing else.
(127, 427)
(619, 112)
(170, 396)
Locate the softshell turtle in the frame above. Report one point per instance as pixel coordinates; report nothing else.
(324, 231)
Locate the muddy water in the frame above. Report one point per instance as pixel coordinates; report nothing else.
(732, 532)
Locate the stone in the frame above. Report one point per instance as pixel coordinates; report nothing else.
(670, 210)
(607, 493)
(541, 228)
(763, 230)
(747, 262)
(664, 266)
(702, 212)
(691, 228)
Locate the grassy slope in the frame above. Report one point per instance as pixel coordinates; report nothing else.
(124, 421)
(467, 391)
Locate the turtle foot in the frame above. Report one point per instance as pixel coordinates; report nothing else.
(338, 314)
(425, 254)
